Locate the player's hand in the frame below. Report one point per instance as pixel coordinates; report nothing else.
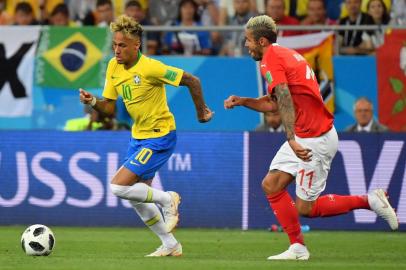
(205, 115)
(304, 154)
(85, 97)
(232, 101)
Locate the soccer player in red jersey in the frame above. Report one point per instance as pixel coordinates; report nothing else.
(311, 144)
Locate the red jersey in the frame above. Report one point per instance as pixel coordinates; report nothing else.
(283, 65)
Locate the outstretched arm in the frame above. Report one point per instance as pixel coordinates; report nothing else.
(261, 104)
(204, 114)
(105, 106)
(287, 111)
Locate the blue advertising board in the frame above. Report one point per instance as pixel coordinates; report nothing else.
(363, 162)
(62, 178)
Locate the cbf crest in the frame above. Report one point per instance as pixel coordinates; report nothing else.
(137, 80)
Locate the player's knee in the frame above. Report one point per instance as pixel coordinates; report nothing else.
(269, 187)
(118, 190)
(303, 210)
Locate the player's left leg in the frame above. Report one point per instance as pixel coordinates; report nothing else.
(274, 185)
(333, 205)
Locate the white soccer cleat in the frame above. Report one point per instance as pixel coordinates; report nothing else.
(171, 213)
(163, 251)
(378, 202)
(296, 251)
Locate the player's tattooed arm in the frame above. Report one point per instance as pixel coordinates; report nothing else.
(286, 109)
(195, 88)
(105, 106)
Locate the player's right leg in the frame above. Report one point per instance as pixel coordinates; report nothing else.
(281, 173)
(283, 206)
(130, 186)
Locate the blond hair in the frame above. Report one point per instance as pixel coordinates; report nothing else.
(262, 26)
(126, 25)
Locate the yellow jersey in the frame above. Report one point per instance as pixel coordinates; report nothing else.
(142, 88)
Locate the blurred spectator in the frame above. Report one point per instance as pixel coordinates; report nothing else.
(333, 8)
(41, 8)
(208, 11)
(79, 9)
(60, 16)
(296, 8)
(93, 120)
(350, 40)
(234, 44)
(399, 12)
(163, 12)
(363, 113)
(378, 11)
(102, 16)
(227, 9)
(187, 43)
(209, 14)
(134, 9)
(276, 10)
(24, 14)
(5, 18)
(272, 122)
(364, 4)
(380, 16)
(316, 15)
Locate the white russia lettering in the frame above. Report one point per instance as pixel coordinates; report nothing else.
(86, 179)
(56, 184)
(177, 163)
(386, 164)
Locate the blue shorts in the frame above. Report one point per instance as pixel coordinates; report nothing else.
(146, 156)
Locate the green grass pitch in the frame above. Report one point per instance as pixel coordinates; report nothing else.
(124, 248)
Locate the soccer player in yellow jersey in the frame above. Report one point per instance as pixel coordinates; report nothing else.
(141, 81)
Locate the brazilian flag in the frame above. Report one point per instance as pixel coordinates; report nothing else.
(69, 57)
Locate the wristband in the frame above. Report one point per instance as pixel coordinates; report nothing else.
(93, 102)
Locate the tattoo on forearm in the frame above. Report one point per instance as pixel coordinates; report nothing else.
(286, 108)
(195, 88)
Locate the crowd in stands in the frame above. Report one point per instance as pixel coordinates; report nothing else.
(212, 13)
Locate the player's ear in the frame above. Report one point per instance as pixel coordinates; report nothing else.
(137, 43)
(263, 41)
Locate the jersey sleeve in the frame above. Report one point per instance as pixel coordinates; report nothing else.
(165, 74)
(109, 91)
(275, 74)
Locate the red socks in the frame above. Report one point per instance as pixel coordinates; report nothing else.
(286, 213)
(325, 206)
(333, 205)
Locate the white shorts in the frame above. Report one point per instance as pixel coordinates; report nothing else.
(310, 176)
